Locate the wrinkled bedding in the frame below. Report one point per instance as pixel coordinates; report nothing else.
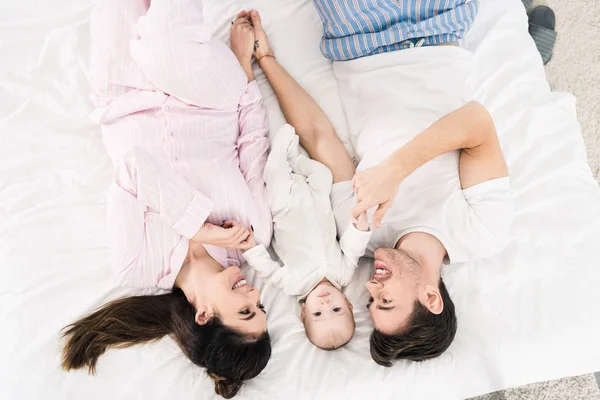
(527, 315)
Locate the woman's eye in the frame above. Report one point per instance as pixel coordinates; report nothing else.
(317, 313)
(370, 299)
(337, 309)
(245, 312)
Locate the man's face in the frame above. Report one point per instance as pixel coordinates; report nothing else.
(394, 290)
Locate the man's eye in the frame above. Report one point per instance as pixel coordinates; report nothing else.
(262, 308)
(245, 312)
(318, 313)
(337, 309)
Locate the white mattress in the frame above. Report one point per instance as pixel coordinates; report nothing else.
(530, 314)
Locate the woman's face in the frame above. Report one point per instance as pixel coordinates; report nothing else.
(236, 303)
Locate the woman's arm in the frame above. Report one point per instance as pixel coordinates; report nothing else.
(144, 194)
(177, 53)
(317, 135)
(470, 129)
(253, 141)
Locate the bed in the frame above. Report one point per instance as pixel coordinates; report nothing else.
(529, 314)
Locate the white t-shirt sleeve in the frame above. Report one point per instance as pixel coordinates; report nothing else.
(342, 200)
(483, 227)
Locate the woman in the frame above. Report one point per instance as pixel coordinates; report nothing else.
(183, 122)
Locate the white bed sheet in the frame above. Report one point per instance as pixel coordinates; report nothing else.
(529, 315)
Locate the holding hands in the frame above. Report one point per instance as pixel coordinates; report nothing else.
(249, 39)
(376, 186)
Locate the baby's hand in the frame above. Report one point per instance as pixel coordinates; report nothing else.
(361, 223)
(248, 243)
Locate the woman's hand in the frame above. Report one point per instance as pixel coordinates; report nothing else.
(242, 42)
(231, 235)
(262, 47)
(376, 186)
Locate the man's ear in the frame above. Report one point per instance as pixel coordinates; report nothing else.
(204, 314)
(433, 300)
(302, 312)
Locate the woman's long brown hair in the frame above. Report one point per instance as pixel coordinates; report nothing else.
(229, 356)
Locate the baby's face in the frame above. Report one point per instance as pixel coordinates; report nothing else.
(327, 316)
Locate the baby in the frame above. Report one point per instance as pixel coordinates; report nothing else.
(316, 267)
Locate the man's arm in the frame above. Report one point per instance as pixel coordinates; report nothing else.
(470, 129)
(317, 135)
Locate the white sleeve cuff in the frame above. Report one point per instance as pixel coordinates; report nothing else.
(354, 241)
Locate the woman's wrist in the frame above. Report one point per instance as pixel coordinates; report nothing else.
(247, 67)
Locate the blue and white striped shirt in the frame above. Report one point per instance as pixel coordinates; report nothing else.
(358, 28)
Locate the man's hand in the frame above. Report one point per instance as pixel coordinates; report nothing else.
(262, 47)
(231, 235)
(376, 186)
(361, 222)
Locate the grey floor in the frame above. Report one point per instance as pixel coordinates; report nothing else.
(585, 387)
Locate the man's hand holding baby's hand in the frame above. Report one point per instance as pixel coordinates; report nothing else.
(361, 223)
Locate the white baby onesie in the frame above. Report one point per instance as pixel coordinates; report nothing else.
(305, 234)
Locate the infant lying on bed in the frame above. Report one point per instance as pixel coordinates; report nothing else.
(316, 267)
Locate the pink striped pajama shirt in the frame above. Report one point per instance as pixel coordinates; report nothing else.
(185, 130)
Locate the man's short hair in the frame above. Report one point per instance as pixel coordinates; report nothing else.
(427, 335)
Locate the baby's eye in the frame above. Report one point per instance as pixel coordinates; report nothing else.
(385, 301)
(245, 312)
(318, 313)
(337, 309)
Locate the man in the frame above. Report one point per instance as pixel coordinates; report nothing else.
(443, 189)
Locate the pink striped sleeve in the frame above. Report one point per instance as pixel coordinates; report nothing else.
(144, 252)
(178, 54)
(152, 212)
(253, 149)
(112, 69)
(162, 191)
(253, 143)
